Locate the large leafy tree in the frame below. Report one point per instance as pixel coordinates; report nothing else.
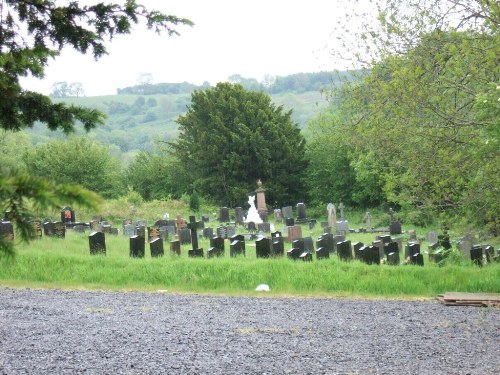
(231, 137)
(417, 109)
(31, 33)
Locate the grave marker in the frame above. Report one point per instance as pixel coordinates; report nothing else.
(137, 244)
(156, 247)
(193, 226)
(97, 243)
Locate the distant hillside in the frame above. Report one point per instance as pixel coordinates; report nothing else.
(139, 115)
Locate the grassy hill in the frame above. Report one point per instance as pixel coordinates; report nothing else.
(135, 122)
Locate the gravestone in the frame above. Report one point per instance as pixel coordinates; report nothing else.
(221, 232)
(385, 238)
(391, 247)
(301, 213)
(294, 253)
(356, 247)
(342, 227)
(395, 228)
(160, 223)
(237, 245)
(367, 220)
(48, 229)
(278, 244)
(140, 231)
(431, 237)
(263, 247)
(59, 229)
(153, 232)
(224, 215)
(393, 258)
(97, 243)
(239, 217)
(7, 230)
(264, 227)
(141, 223)
(380, 246)
(263, 216)
(278, 217)
(171, 230)
(289, 222)
(466, 244)
(327, 241)
(251, 227)
(137, 245)
(164, 233)
(322, 253)
(312, 224)
(287, 212)
(332, 215)
(230, 231)
(336, 239)
(156, 247)
(411, 249)
(193, 226)
(67, 215)
(185, 236)
(417, 259)
(37, 226)
(489, 252)
(306, 257)
(476, 255)
(205, 218)
(113, 231)
(309, 244)
(344, 250)
(208, 233)
(79, 228)
(294, 233)
(129, 230)
(175, 247)
(374, 256)
(217, 247)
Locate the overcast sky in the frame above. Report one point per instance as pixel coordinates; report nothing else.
(250, 38)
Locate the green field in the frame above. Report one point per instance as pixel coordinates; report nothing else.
(66, 263)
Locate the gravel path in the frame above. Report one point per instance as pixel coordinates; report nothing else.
(89, 332)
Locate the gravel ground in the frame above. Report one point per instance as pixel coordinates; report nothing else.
(90, 332)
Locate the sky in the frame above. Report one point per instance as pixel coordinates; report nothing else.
(250, 38)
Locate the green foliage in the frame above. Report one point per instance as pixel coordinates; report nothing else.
(194, 201)
(31, 32)
(78, 160)
(231, 137)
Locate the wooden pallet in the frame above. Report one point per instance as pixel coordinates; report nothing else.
(470, 299)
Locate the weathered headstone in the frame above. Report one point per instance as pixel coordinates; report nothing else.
(238, 215)
(217, 247)
(129, 230)
(264, 227)
(289, 222)
(113, 231)
(59, 229)
(332, 215)
(79, 228)
(224, 215)
(185, 236)
(48, 229)
(208, 233)
(251, 227)
(97, 243)
(391, 247)
(309, 244)
(431, 237)
(221, 232)
(67, 215)
(140, 231)
(7, 230)
(230, 231)
(156, 247)
(393, 258)
(356, 247)
(476, 255)
(489, 252)
(367, 220)
(287, 212)
(153, 232)
(137, 245)
(342, 227)
(294, 233)
(466, 243)
(278, 216)
(395, 228)
(380, 246)
(278, 245)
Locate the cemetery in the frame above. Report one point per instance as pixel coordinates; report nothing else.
(251, 241)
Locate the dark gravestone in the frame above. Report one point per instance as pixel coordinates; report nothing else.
(444, 241)
(185, 236)
(380, 246)
(385, 238)
(322, 253)
(97, 243)
(301, 213)
(309, 244)
(395, 228)
(263, 216)
(287, 212)
(356, 247)
(67, 215)
(312, 224)
(140, 231)
(237, 246)
(230, 231)
(289, 221)
(238, 216)
(221, 232)
(413, 248)
(327, 230)
(393, 258)
(391, 247)
(251, 227)
(363, 254)
(224, 215)
(299, 244)
(7, 230)
(48, 229)
(326, 240)
(417, 259)
(306, 257)
(476, 255)
(344, 250)
(137, 245)
(264, 227)
(489, 252)
(263, 247)
(59, 229)
(193, 226)
(208, 233)
(156, 247)
(336, 239)
(160, 223)
(205, 218)
(175, 247)
(294, 253)
(278, 244)
(216, 247)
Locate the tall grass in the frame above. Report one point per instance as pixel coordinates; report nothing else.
(66, 263)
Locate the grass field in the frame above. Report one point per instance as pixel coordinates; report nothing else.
(66, 263)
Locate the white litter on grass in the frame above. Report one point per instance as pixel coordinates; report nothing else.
(262, 288)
